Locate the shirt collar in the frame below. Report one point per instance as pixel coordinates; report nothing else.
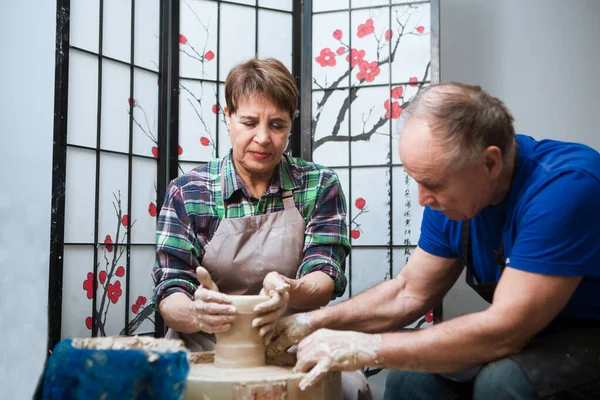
(283, 178)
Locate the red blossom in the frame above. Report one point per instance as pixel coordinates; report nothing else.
(209, 56)
(179, 150)
(88, 322)
(420, 29)
(204, 141)
(108, 243)
(182, 39)
(355, 57)
(429, 316)
(337, 34)
(360, 203)
(413, 81)
(141, 300)
(355, 233)
(215, 108)
(395, 110)
(89, 285)
(155, 151)
(340, 50)
(125, 220)
(120, 271)
(114, 291)
(368, 71)
(132, 102)
(327, 58)
(152, 209)
(397, 92)
(102, 277)
(366, 28)
(388, 34)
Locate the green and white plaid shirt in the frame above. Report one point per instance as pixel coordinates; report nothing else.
(193, 208)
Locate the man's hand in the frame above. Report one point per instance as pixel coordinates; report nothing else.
(277, 287)
(288, 332)
(214, 311)
(327, 350)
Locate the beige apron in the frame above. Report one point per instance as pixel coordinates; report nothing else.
(243, 251)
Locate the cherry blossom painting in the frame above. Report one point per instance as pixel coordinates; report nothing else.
(361, 205)
(198, 106)
(352, 61)
(109, 284)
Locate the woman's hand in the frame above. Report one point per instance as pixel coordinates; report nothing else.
(214, 311)
(277, 287)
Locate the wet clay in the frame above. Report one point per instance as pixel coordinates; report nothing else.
(241, 346)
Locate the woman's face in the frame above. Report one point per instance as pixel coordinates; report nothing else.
(259, 132)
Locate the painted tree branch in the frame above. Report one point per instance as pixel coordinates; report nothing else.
(135, 323)
(365, 135)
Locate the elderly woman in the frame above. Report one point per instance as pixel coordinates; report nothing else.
(253, 221)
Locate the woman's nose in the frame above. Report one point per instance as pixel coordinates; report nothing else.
(262, 134)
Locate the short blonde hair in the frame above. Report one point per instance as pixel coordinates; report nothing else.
(466, 118)
(268, 78)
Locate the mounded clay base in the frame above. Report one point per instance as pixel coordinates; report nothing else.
(237, 370)
(209, 382)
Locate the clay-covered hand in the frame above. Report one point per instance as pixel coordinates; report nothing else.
(277, 287)
(213, 310)
(328, 350)
(288, 332)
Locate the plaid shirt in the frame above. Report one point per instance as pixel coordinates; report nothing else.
(193, 207)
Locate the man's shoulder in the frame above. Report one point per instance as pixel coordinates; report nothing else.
(550, 160)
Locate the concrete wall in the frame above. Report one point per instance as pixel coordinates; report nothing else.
(541, 57)
(28, 32)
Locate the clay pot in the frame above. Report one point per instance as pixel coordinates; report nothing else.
(241, 346)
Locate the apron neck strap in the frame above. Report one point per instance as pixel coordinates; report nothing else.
(466, 250)
(222, 177)
(288, 200)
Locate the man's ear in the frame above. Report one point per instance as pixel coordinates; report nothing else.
(493, 161)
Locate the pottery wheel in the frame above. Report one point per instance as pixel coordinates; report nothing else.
(209, 382)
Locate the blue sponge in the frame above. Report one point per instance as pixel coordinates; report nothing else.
(143, 374)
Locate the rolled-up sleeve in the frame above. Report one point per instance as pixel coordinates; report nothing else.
(177, 249)
(326, 244)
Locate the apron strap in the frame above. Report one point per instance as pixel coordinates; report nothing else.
(222, 184)
(288, 200)
(466, 250)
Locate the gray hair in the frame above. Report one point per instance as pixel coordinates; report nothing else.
(465, 118)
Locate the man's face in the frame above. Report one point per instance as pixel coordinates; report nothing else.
(459, 193)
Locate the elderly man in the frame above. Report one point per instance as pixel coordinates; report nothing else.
(523, 217)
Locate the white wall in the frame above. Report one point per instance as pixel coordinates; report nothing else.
(541, 57)
(27, 29)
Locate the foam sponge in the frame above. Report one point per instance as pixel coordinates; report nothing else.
(73, 372)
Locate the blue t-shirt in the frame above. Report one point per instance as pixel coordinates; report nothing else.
(549, 222)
